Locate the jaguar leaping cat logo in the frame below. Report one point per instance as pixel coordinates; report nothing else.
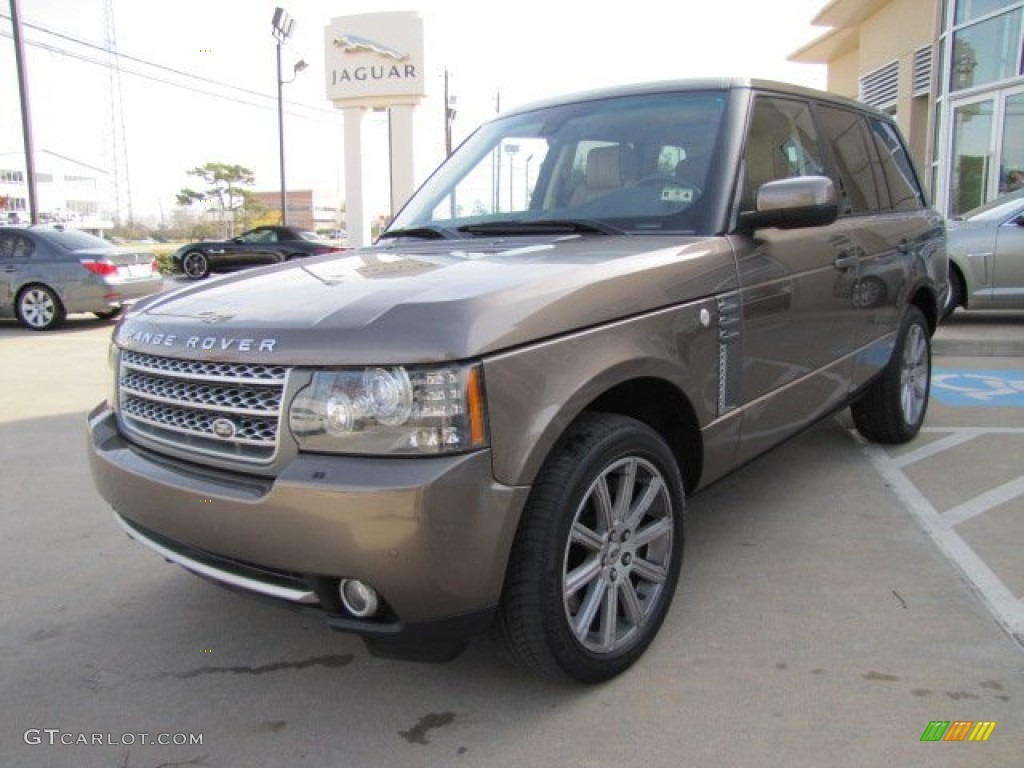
(356, 44)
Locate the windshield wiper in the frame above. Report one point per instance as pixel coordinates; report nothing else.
(540, 227)
(423, 233)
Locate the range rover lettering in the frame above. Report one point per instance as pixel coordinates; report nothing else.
(492, 418)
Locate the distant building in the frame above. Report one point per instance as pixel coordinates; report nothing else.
(951, 71)
(309, 209)
(68, 191)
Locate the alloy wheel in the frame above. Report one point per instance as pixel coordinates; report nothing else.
(914, 373)
(618, 554)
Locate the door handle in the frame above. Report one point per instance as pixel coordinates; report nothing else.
(845, 260)
(10, 269)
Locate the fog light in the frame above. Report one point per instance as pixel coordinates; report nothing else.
(358, 597)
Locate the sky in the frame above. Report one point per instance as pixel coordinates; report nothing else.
(174, 121)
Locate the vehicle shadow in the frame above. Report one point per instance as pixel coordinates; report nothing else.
(77, 323)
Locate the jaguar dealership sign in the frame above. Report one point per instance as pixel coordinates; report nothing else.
(375, 59)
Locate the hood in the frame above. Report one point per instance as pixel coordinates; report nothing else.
(411, 303)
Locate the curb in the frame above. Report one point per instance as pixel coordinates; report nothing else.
(996, 333)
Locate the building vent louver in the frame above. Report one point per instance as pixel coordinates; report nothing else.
(880, 88)
(923, 71)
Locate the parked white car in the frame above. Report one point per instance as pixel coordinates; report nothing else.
(986, 256)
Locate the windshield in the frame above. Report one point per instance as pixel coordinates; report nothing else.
(632, 164)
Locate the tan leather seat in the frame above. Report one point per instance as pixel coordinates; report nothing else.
(603, 174)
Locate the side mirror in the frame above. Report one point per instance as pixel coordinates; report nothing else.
(804, 201)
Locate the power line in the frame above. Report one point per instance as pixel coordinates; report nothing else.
(181, 73)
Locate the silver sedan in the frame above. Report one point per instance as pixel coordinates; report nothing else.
(986, 256)
(45, 273)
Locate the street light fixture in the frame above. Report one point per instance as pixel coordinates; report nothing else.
(284, 25)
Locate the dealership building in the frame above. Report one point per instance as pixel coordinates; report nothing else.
(951, 71)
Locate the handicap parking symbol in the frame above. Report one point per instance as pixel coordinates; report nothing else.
(967, 387)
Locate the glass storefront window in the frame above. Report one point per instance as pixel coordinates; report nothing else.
(1011, 173)
(986, 52)
(975, 9)
(972, 137)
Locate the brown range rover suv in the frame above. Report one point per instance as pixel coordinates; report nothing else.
(492, 417)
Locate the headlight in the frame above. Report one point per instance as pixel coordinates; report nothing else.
(391, 410)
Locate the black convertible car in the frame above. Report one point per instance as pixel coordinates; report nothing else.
(262, 245)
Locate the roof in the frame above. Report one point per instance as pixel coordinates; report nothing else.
(696, 84)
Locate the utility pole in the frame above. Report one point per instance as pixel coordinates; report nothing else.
(26, 120)
(118, 136)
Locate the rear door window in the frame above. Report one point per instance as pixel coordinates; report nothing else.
(904, 191)
(14, 247)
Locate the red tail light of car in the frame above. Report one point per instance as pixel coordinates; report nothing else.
(326, 249)
(100, 267)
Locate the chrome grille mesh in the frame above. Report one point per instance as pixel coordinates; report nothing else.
(233, 398)
(214, 408)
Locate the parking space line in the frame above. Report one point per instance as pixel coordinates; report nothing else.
(1001, 602)
(983, 503)
(931, 449)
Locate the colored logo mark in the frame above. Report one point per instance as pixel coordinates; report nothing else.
(958, 730)
(968, 387)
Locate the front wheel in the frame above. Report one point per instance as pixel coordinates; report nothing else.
(893, 407)
(597, 554)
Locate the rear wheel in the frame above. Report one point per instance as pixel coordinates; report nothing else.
(39, 308)
(597, 555)
(110, 314)
(893, 407)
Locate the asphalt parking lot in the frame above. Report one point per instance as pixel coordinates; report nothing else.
(836, 598)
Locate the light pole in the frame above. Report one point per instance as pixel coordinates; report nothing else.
(512, 150)
(284, 25)
(526, 182)
(449, 115)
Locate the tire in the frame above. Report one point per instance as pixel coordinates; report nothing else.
(195, 265)
(578, 558)
(109, 314)
(39, 308)
(955, 297)
(893, 407)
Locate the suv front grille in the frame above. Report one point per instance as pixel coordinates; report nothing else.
(232, 410)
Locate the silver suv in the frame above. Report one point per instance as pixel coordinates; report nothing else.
(597, 306)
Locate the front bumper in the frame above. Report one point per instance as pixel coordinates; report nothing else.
(431, 535)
